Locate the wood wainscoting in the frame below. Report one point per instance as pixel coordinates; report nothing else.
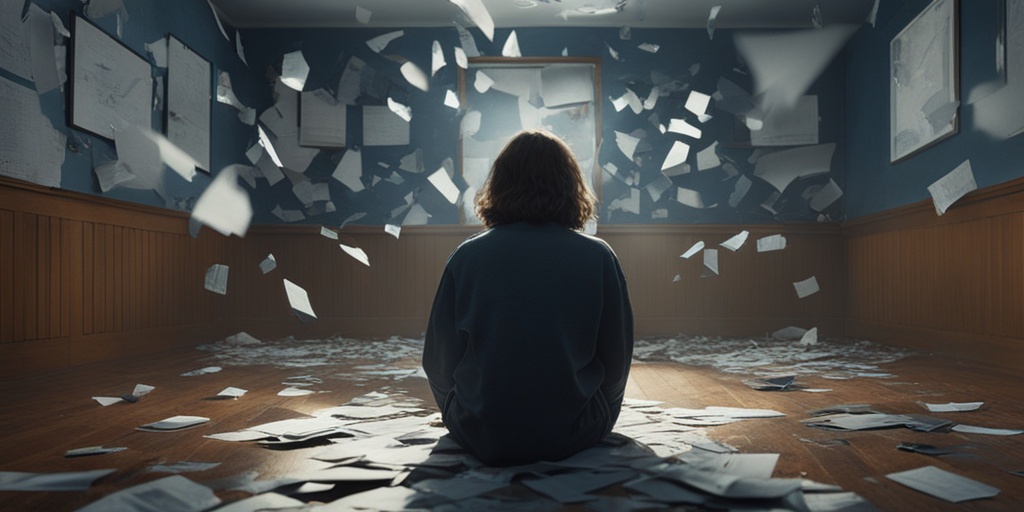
(754, 294)
(85, 278)
(952, 283)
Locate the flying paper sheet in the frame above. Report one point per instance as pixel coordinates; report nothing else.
(482, 83)
(444, 185)
(713, 20)
(771, 243)
(682, 127)
(478, 14)
(298, 299)
(810, 337)
(824, 198)
(269, 263)
(393, 230)
(658, 187)
(145, 152)
(400, 110)
(737, 241)
(951, 187)
(350, 170)
(806, 287)
(460, 58)
(224, 206)
(697, 247)
(468, 44)
(627, 144)
(436, 58)
(356, 253)
(697, 102)
(784, 65)
(707, 158)
(677, 155)
(415, 76)
(689, 197)
(217, 279)
(782, 167)
(649, 47)
(363, 15)
(789, 126)
(710, 263)
(111, 174)
(451, 100)
(294, 70)
(566, 85)
(322, 120)
(511, 48)
(377, 44)
(328, 233)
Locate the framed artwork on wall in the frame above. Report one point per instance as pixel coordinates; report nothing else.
(924, 96)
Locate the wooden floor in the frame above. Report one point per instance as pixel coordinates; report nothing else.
(44, 415)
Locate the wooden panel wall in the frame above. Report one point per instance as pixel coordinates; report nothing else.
(85, 279)
(951, 284)
(753, 295)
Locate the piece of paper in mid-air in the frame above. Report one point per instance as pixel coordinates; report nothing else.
(951, 187)
(736, 241)
(806, 287)
(298, 299)
(225, 206)
(783, 167)
(294, 70)
(444, 185)
(356, 253)
(676, 155)
(377, 44)
(710, 263)
(771, 243)
(217, 279)
(350, 170)
(694, 249)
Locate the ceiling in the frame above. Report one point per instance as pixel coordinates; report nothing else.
(543, 13)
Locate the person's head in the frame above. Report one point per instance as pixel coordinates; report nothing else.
(536, 178)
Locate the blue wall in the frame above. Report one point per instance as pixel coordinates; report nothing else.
(872, 183)
(434, 128)
(192, 22)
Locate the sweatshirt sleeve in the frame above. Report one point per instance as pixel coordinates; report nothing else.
(615, 338)
(443, 346)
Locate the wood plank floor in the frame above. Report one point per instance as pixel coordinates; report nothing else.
(42, 416)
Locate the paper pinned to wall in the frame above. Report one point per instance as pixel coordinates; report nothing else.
(951, 187)
(32, 149)
(44, 63)
(15, 54)
(382, 127)
(626, 143)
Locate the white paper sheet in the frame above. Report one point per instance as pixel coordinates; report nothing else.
(224, 206)
(511, 47)
(451, 100)
(676, 155)
(356, 253)
(806, 287)
(477, 13)
(322, 120)
(32, 150)
(566, 85)
(350, 170)
(680, 126)
(782, 167)
(971, 429)
(382, 127)
(951, 187)
(363, 15)
(626, 143)
(217, 279)
(789, 126)
(44, 64)
(736, 241)
(694, 249)
(824, 198)
(415, 76)
(298, 298)
(771, 243)
(444, 185)
(689, 197)
(377, 44)
(436, 58)
(707, 158)
(710, 262)
(269, 263)
(943, 484)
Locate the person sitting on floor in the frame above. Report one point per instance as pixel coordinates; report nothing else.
(530, 336)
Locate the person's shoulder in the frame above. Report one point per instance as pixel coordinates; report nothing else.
(597, 244)
(470, 243)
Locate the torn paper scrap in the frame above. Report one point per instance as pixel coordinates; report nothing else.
(689, 197)
(217, 279)
(951, 187)
(697, 247)
(680, 126)
(363, 15)
(707, 158)
(415, 76)
(377, 44)
(299, 300)
(710, 263)
(511, 48)
(649, 47)
(627, 144)
(676, 155)
(356, 253)
(477, 13)
(393, 230)
(943, 484)
(782, 167)
(482, 82)
(350, 170)
(806, 287)
(444, 185)
(824, 198)
(771, 243)
(810, 337)
(269, 263)
(736, 241)
(713, 20)
(436, 58)
(401, 110)
(328, 233)
(697, 102)
(460, 58)
(451, 100)
(225, 206)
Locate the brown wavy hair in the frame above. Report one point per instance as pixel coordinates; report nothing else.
(536, 178)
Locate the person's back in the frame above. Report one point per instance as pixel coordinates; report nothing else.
(529, 341)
